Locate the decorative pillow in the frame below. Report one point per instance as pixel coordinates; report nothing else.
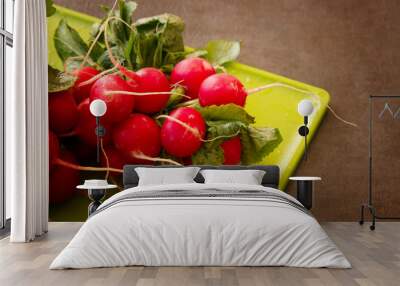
(248, 177)
(166, 176)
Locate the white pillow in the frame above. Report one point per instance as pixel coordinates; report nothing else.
(248, 177)
(166, 176)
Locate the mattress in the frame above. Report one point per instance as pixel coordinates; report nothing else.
(201, 225)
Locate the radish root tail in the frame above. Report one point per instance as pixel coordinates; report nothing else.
(84, 168)
(101, 30)
(122, 69)
(188, 103)
(194, 131)
(222, 137)
(278, 84)
(340, 118)
(96, 77)
(112, 92)
(140, 155)
(178, 84)
(106, 158)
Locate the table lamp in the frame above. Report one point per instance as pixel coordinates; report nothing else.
(98, 108)
(305, 109)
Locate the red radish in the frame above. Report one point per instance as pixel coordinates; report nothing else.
(150, 80)
(190, 73)
(84, 153)
(54, 149)
(232, 151)
(86, 128)
(144, 81)
(119, 106)
(115, 158)
(177, 139)
(82, 92)
(63, 180)
(132, 79)
(222, 89)
(63, 112)
(139, 134)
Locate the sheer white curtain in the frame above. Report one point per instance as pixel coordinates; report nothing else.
(27, 124)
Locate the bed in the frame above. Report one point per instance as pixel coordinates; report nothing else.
(198, 224)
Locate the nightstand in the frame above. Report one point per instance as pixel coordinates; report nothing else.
(305, 189)
(96, 192)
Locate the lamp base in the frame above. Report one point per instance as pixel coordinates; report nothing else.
(95, 195)
(305, 192)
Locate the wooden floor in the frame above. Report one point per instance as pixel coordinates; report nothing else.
(375, 257)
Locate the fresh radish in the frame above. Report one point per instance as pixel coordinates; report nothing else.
(119, 106)
(84, 152)
(151, 83)
(146, 80)
(222, 89)
(86, 128)
(232, 151)
(115, 158)
(151, 80)
(63, 112)
(182, 132)
(190, 73)
(63, 180)
(82, 91)
(54, 149)
(132, 78)
(137, 135)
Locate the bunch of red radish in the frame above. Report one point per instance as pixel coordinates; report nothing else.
(134, 100)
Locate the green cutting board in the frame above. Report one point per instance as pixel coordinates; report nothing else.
(276, 107)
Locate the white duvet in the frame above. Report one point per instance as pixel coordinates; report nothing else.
(200, 231)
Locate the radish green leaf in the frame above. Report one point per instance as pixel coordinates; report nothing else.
(258, 142)
(220, 52)
(227, 129)
(210, 153)
(176, 97)
(68, 42)
(59, 81)
(105, 61)
(227, 112)
(50, 9)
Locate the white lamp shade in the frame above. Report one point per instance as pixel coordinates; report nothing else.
(305, 107)
(98, 107)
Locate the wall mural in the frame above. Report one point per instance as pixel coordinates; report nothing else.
(166, 103)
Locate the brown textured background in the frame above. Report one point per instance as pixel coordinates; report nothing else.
(351, 48)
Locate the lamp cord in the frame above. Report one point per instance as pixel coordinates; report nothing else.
(105, 157)
(98, 139)
(305, 144)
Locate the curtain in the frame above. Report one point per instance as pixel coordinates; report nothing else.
(27, 124)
